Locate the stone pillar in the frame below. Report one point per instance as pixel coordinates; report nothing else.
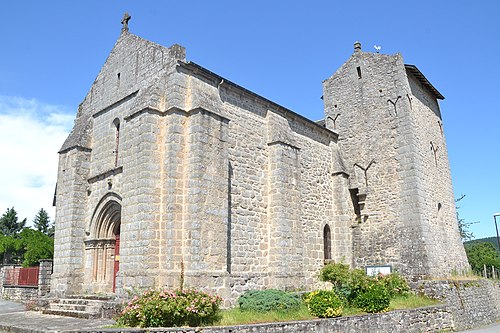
(206, 218)
(173, 196)
(284, 224)
(71, 206)
(285, 241)
(44, 275)
(142, 209)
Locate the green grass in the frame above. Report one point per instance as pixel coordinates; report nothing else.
(237, 317)
(411, 301)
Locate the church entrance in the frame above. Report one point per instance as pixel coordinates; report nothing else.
(103, 249)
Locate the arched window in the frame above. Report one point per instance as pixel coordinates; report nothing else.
(327, 242)
(116, 122)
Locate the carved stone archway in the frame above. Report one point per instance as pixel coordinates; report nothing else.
(101, 248)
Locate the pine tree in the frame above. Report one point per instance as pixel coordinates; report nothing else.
(9, 224)
(42, 222)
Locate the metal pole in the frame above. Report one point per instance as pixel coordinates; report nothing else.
(496, 227)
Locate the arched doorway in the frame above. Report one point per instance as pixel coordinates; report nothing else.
(103, 247)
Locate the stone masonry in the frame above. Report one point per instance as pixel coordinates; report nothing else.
(391, 133)
(171, 170)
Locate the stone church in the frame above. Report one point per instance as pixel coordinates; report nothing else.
(171, 170)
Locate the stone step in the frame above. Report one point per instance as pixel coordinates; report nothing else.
(78, 301)
(82, 308)
(69, 307)
(72, 313)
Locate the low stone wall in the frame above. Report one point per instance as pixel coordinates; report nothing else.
(472, 303)
(430, 319)
(24, 293)
(19, 293)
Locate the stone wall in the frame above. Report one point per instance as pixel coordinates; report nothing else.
(22, 293)
(472, 303)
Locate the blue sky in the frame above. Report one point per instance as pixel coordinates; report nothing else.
(52, 51)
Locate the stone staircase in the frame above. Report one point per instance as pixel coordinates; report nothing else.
(86, 307)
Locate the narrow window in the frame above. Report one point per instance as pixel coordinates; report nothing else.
(327, 240)
(118, 81)
(359, 72)
(116, 122)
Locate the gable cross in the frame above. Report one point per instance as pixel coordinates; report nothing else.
(126, 18)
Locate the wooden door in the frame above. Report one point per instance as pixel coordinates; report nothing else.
(117, 260)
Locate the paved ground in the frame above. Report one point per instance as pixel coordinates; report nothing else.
(13, 318)
(495, 328)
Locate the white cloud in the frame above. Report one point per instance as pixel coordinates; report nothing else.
(31, 133)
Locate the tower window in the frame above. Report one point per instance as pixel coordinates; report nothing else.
(327, 242)
(116, 123)
(358, 69)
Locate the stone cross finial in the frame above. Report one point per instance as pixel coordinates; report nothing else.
(126, 18)
(357, 46)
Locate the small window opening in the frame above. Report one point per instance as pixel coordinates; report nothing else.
(358, 69)
(116, 122)
(118, 77)
(327, 242)
(439, 206)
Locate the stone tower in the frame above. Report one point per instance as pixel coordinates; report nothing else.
(391, 133)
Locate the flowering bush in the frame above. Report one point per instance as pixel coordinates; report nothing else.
(324, 304)
(165, 308)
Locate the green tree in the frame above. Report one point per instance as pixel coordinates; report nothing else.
(35, 245)
(463, 226)
(9, 249)
(9, 224)
(42, 223)
(480, 254)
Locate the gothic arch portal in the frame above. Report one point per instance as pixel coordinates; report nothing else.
(103, 244)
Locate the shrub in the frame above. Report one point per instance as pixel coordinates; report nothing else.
(395, 284)
(347, 283)
(358, 282)
(324, 304)
(375, 298)
(268, 300)
(335, 273)
(167, 308)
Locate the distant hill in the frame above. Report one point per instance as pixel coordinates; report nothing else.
(492, 240)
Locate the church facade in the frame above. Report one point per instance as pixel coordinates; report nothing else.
(172, 171)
